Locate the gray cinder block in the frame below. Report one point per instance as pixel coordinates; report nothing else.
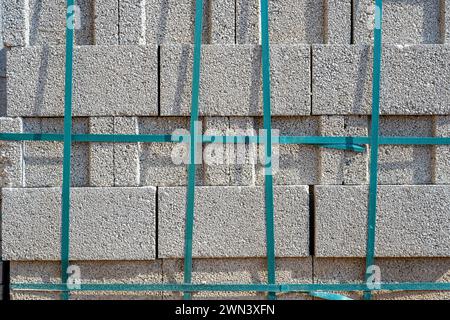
(338, 15)
(342, 79)
(445, 21)
(2, 97)
(290, 21)
(297, 164)
(339, 166)
(108, 80)
(43, 159)
(11, 168)
(229, 164)
(405, 164)
(126, 155)
(412, 221)
(172, 21)
(101, 155)
(230, 82)
(216, 170)
(132, 17)
(392, 270)
(408, 21)
(106, 31)
(156, 165)
(91, 272)
(441, 174)
(42, 22)
(105, 223)
(47, 22)
(14, 23)
(248, 271)
(237, 227)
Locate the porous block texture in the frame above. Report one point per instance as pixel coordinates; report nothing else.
(105, 223)
(237, 227)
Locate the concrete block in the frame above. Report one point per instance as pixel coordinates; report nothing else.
(230, 82)
(172, 21)
(217, 172)
(3, 60)
(237, 227)
(339, 166)
(106, 22)
(441, 170)
(132, 17)
(11, 168)
(342, 79)
(2, 97)
(15, 23)
(108, 81)
(1, 28)
(105, 223)
(414, 270)
(126, 155)
(46, 21)
(405, 164)
(411, 221)
(229, 164)
(91, 272)
(338, 26)
(348, 270)
(101, 155)
(297, 164)
(404, 22)
(445, 21)
(290, 21)
(156, 165)
(248, 271)
(43, 160)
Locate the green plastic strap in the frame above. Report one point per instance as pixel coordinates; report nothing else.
(189, 225)
(267, 119)
(281, 288)
(350, 143)
(328, 295)
(373, 182)
(65, 212)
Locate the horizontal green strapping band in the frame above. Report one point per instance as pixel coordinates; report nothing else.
(280, 288)
(315, 140)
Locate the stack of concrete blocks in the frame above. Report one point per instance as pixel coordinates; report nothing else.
(132, 74)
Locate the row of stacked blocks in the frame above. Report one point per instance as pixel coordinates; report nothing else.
(132, 75)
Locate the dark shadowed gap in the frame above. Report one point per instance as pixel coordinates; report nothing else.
(6, 280)
(312, 225)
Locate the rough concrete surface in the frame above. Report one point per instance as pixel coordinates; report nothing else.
(290, 21)
(342, 79)
(392, 270)
(105, 224)
(237, 229)
(11, 166)
(230, 84)
(42, 160)
(132, 74)
(107, 80)
(412, 221)
(404, 22)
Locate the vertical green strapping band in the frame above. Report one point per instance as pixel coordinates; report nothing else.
(270, 237)
(374, 142)
(65, 198)
(189, 225)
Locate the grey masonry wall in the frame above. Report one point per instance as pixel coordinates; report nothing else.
(132, 75)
